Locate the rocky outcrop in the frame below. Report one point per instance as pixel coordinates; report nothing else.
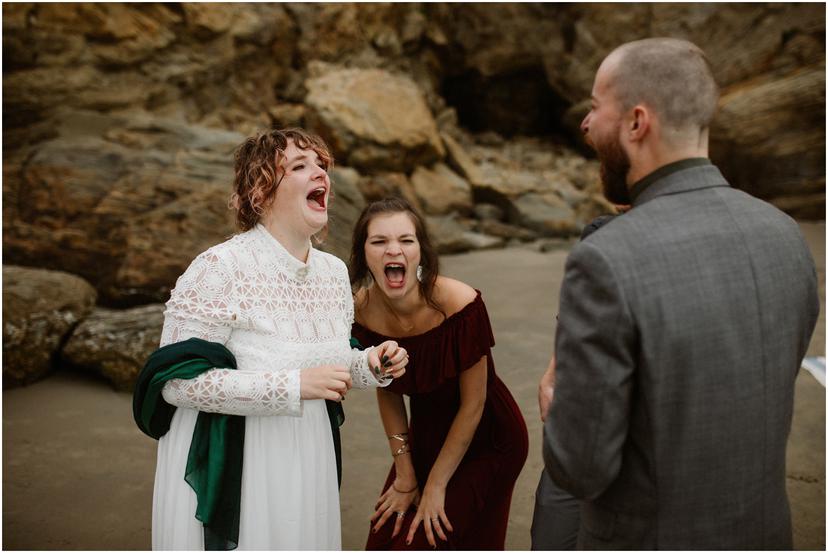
(372, 119)
(120, 122)
(121, 119)
(764, 140)
(40, 309)
(116, 343)
(344, 210)
(440, 190)
(132, 198)
(450, 235)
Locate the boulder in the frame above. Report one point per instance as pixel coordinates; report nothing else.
(740, 40)
(546, 214)
(440, 190)
(485, 211)
(449, 235)
(461, 161)
(803, 206)
(384, 185)
(768, 137)
(343, 212)
(125, 201)
(493, 227)
(40, 309)
(116, 343)
(373, 119)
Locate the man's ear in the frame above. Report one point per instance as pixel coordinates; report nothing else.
(639, 123)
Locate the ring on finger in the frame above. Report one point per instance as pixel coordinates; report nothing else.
(400, 514)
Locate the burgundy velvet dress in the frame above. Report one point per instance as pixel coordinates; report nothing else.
(479, 494)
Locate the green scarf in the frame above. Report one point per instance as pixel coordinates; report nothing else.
(214, 463)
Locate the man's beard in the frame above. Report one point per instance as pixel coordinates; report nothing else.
(615, 165)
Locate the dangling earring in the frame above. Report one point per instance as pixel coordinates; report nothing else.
(419, 273)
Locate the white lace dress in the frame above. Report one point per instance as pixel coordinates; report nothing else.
(277, 315)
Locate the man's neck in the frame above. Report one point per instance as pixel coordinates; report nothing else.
(658, 158)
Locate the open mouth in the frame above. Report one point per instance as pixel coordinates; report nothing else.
(395, 274)
(317, 197)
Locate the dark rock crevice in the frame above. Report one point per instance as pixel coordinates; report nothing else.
(517, 103)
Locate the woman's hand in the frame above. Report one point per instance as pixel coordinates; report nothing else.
(432, 514)
(324, 382)
(396, 504)
(388, 358)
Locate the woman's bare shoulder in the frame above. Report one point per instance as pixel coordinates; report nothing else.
(453, 295)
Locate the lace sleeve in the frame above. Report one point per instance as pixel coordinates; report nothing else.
(202, 306)
(362, 376)
(232, 392)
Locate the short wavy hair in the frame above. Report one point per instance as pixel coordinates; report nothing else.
(259, 170)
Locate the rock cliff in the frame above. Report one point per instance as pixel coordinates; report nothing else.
(120, 120)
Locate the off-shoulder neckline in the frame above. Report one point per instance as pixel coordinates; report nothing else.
(478, 298)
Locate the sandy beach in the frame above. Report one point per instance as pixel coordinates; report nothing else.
(78, 474)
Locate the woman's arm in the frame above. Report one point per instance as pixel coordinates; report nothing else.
(404, 490)
(472, 400)
(203, 305)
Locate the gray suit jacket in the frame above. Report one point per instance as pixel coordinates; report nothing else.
(682, 327)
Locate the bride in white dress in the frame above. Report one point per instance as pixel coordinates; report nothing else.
(284, 309)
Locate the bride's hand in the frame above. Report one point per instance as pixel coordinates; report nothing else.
(388, 358)
(394, 503)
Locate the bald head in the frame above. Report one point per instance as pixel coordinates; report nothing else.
(671, 76)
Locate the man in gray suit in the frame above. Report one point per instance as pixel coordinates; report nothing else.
(682, 326)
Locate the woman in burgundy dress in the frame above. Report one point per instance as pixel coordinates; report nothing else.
(457, 459)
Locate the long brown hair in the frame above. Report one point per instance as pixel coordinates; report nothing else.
(429, 261)
(258, 170)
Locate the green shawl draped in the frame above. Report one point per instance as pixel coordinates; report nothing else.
(214, 463)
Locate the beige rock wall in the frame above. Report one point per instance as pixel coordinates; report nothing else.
(120, 119)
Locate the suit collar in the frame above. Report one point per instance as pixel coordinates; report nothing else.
(680, 176)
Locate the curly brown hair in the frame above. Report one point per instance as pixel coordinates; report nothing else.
(259, 170)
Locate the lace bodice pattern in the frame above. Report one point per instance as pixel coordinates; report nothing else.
(276, 314)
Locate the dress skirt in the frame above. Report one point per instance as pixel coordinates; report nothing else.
(290, 494)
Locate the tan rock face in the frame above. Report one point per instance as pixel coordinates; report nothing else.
(343, 212)
(40, 308)
(121, 119)
(441, 191)
(116, 343)
(133, 208)
(373, 119)
(764, 138)
(450, 235)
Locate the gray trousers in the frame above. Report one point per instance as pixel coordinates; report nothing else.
(556, 519)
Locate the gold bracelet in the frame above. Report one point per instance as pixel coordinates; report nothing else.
(402, 451)
(394, 485)
(403, 447)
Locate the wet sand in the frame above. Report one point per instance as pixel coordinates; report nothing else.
(78, 474)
